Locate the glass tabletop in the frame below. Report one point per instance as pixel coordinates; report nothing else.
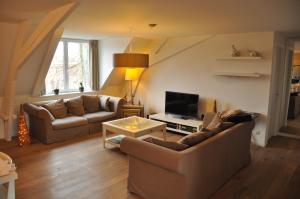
(135, 123)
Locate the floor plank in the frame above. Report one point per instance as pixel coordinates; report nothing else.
(82, 168)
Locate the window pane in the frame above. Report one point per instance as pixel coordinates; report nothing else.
(78, 65)
(55, 75)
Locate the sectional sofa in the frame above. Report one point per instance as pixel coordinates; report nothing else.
(194, 173)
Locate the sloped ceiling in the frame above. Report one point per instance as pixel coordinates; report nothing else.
(27, 74)
(102, 18)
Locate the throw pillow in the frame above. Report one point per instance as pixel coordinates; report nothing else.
(235, 116)
(104, 103)
(75, 106)
(170, 145)
(57, 108)
(229, 113)
(195, 138)
(91, 103)
(214, 125)
(242, 117)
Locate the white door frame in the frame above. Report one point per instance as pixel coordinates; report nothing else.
(285, 98)
(280, 88)
(275, 94)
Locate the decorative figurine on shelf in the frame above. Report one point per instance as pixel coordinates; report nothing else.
(81, 88)
(23, 133)
(235, 52)
(253, 53)
(56, 91)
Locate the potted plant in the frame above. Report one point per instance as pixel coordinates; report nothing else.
(56, 91)
(81, 88)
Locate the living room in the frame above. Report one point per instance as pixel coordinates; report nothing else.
(228, 60)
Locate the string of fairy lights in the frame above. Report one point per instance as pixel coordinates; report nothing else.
(23, 133)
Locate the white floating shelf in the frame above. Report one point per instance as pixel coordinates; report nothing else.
(239, 58)
(234, 74)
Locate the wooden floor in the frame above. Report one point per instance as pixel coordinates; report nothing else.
(82, 168)
(292, 127)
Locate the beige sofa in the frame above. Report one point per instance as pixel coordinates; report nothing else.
(194, 173)
(48, 130)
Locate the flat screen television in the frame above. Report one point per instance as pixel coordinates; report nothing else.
(181, 104)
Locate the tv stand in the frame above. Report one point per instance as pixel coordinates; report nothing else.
(179, 125)
(179, 117)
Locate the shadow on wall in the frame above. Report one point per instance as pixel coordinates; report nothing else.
(206, 105)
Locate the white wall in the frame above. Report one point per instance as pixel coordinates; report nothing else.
(193, 71)
(107, 48)
(27, 75)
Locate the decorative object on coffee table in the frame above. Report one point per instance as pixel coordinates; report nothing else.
(131, 126)
(56, 91)
(23, 133)
(81, 88)
(132, 110)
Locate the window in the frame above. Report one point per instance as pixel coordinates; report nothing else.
(69, 67)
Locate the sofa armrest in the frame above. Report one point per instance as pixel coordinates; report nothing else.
(39, 112)
(117, 104)
(153, 154)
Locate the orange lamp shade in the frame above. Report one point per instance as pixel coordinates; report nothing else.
(131, 60)
(131, 74)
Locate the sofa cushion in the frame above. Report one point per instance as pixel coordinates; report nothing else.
(229, 113)
(241, 117)
(170, 145)
(91, 103)
(104, 103)
(218, 124)
(99, 116)
(215, 125)
(69, 122)
(57, 108)
(236, 116)
(75, 106)
(195, 138)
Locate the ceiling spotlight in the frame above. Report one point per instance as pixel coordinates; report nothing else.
(152, 25)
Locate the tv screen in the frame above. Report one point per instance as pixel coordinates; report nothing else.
(182, 104)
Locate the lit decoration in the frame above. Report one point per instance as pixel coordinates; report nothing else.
(23, 133)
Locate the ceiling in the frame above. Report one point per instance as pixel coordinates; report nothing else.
(101, 18)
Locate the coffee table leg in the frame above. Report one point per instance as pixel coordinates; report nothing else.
(164, 134)
(104, 136)
(11, 190)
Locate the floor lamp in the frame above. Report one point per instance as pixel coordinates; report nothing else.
(131, 74)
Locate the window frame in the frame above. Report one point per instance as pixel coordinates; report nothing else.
(66, 62)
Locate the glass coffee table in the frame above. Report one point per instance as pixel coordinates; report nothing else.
(131, 126)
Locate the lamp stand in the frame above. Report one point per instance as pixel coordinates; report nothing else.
(131, 94)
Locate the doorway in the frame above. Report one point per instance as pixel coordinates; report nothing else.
(290, 125)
